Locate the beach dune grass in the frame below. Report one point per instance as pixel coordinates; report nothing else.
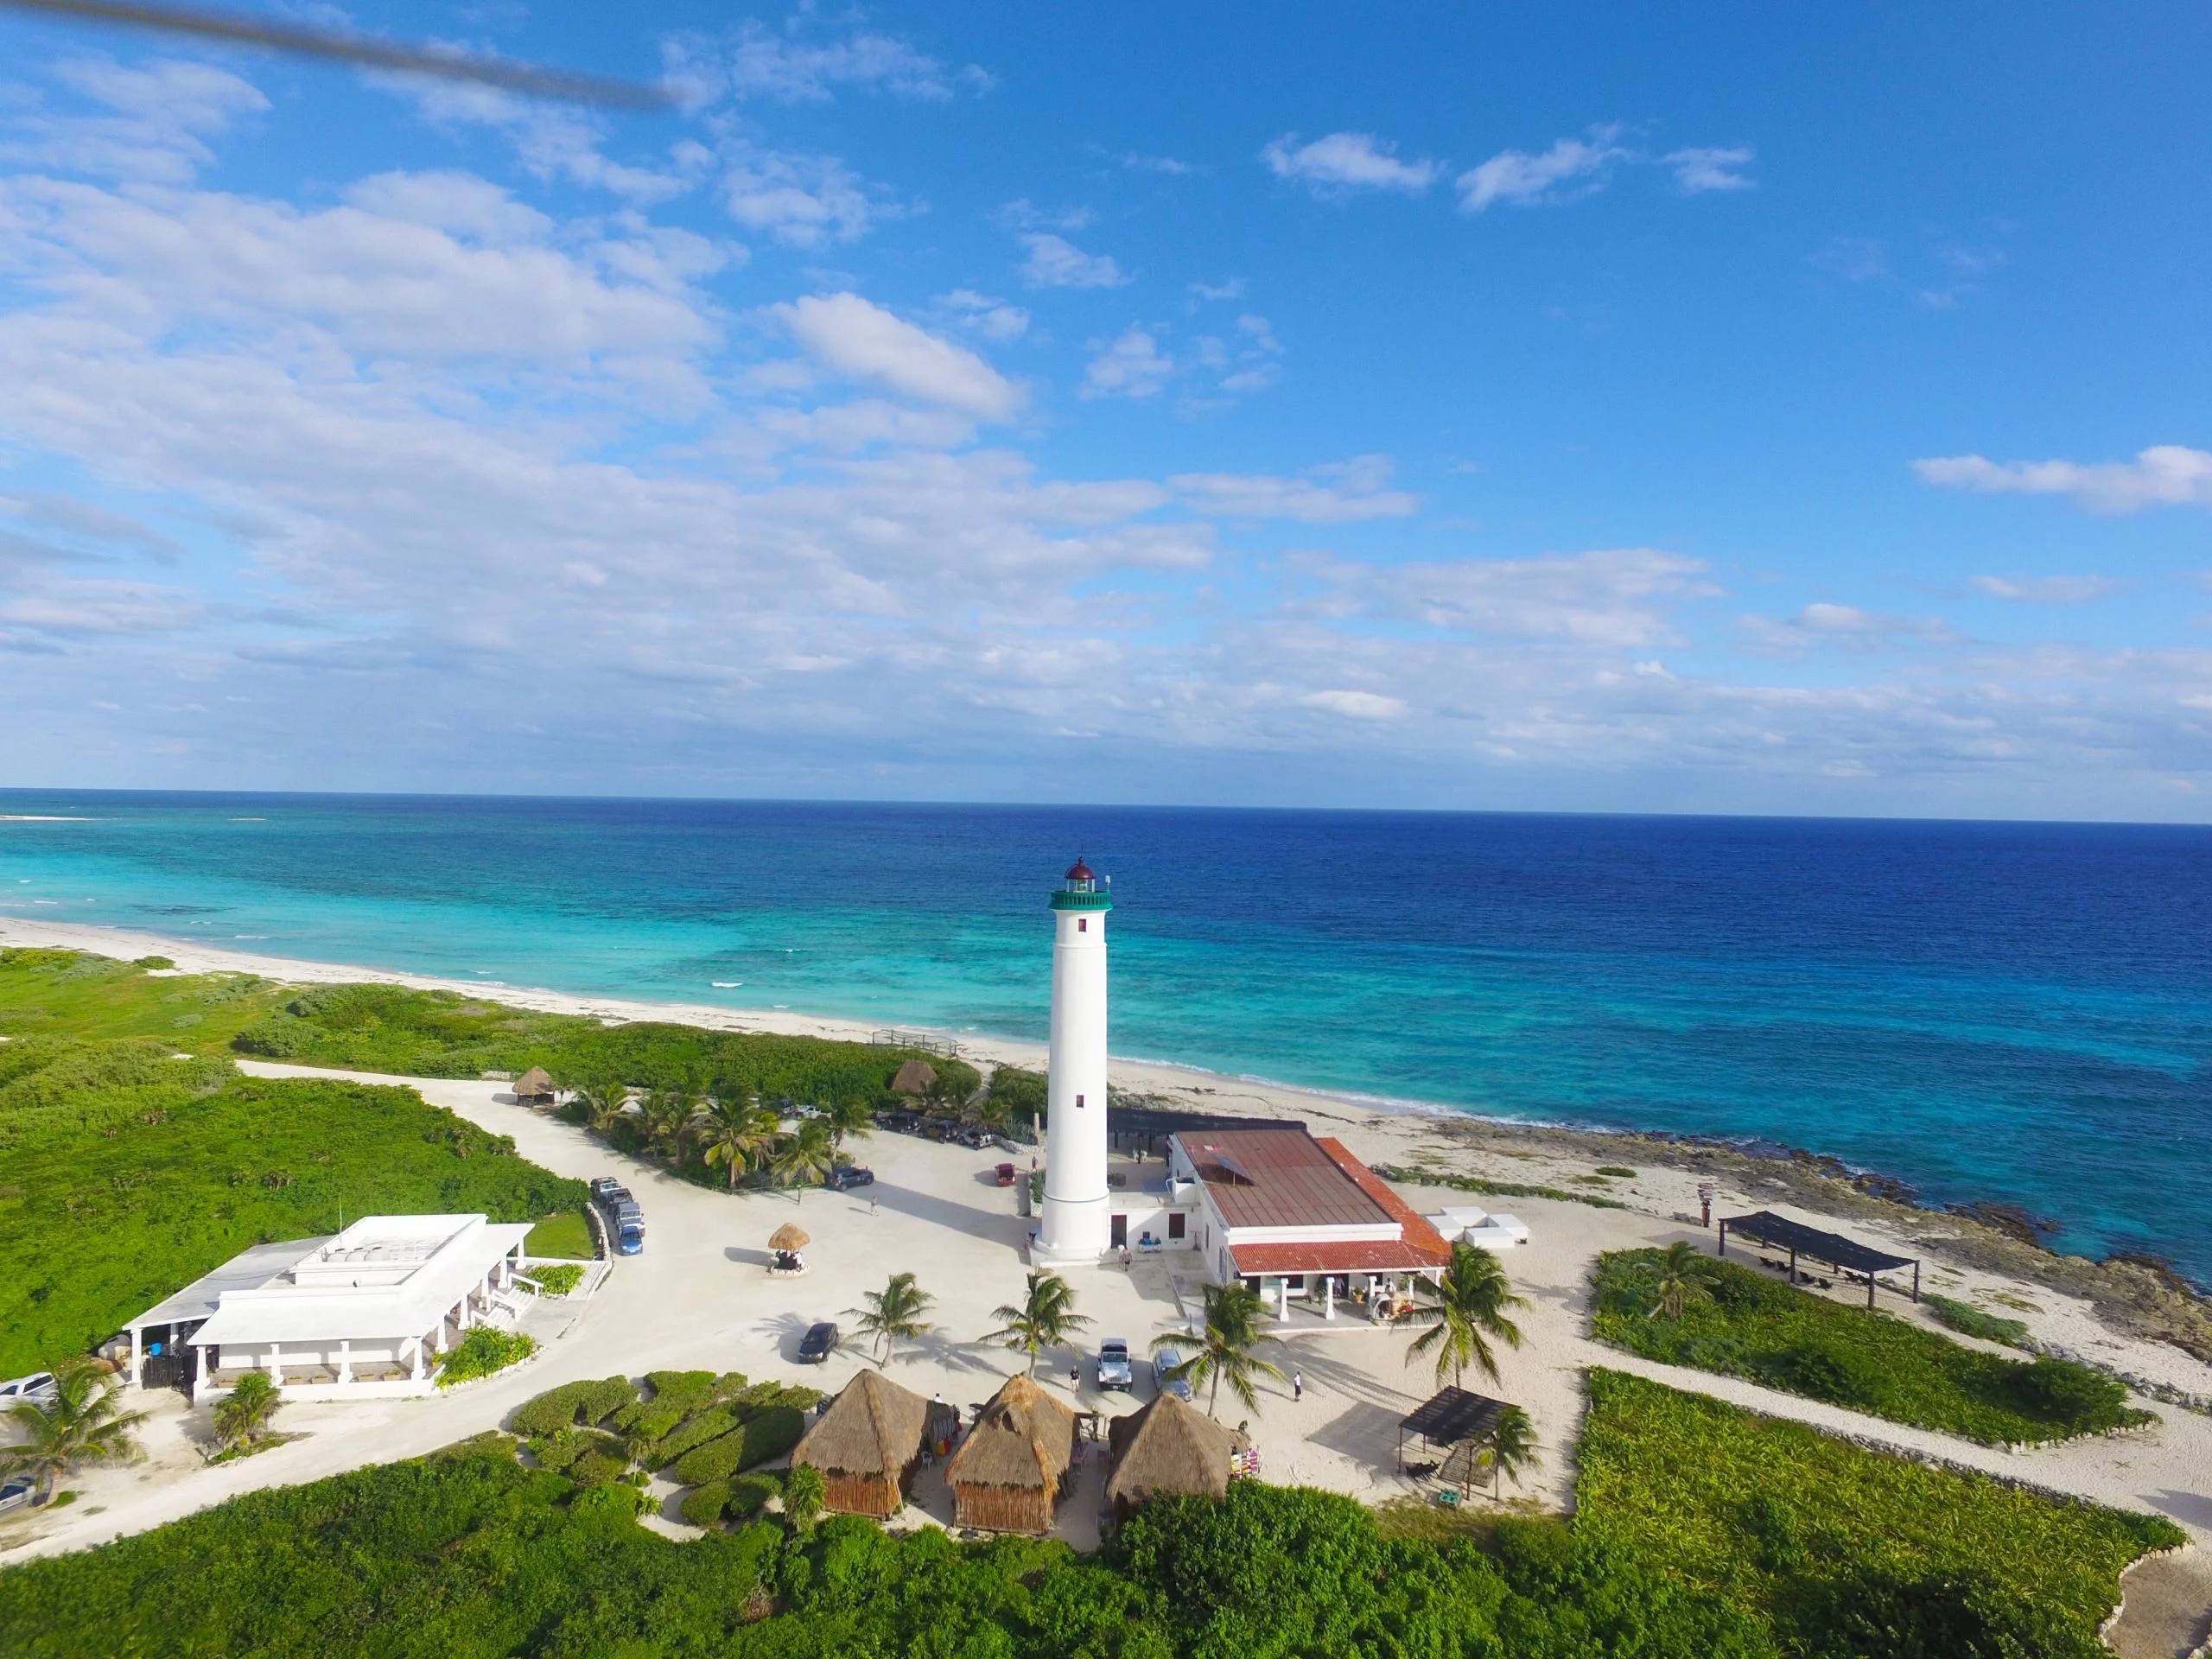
(72, 994)
(1847, 1550)
(1747, 1324)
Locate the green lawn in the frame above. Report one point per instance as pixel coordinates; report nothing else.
(1752, 1325)
(565, 1235)
(1847, 1550)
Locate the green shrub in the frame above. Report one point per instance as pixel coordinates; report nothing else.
(482, 1352)
(1971, 1321)
(706, 1426)
(685, 1392)
(572, 1404)
(759, 1439)
(703, 1505)
(598, 1468)
(1622, 1170)
(609, 1502)
(1753, 1327)
(564, 1449)
(154, 962)
(750, 1494)
(556, 1281)
(1799, 1526)
(716, 1460)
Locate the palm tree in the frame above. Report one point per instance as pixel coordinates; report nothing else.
(804, 1491)
(79, 1425)
(246, 1411)
(894, 1314)
(666, 1119)
(806, 1155)
(1512, 1448)
(1225, 1352)
(735, 1133)
(853, 1114)
(602, 1099)
(1043, 1318)
(1678, 1276)
(1469, 1307)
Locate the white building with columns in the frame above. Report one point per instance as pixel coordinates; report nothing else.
(1076, 1211)
(362, 1315)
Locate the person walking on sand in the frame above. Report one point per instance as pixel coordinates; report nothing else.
(1075, 1379)
(1297, 1386)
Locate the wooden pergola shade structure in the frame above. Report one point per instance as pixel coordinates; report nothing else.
(866, 1445)
(1455, 1420)
(1008, 1473)
(1844, 1255)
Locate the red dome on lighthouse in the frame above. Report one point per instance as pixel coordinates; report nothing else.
(1082, 872)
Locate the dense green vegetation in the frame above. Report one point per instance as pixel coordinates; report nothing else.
(1702, 1533)
(1970, 1321)
(482, 1352)
(706, 1430)
(1741, 1323)
(69, 993)
(1847, 1551)
(128, 1173)
(443, 1034)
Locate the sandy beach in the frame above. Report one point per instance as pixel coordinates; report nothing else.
(699, 1296)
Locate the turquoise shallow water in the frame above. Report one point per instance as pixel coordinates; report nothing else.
(2012, 1012)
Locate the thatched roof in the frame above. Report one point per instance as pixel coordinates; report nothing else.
(1169, 1446)
(1024, 1437)
(789, 1236)
(534, 1082)
(873, 1427)
(914, 1078)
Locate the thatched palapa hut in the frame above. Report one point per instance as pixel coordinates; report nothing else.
(535, 1088)
(914, 1078)
(867, 1444)
(789, 1242)
(1009, 1474)
(1170, 1447)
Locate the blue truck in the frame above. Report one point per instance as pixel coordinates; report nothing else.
(625, 1221)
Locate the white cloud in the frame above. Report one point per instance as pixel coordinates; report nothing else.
(993, 318)
(1617, 598)
(866, 342)
(2164, 476)
(1345, 162)
(461, 203)
(804, 201)
(1230, 289)
(2047, 590)
(785, 68)
(1699, 170)
(1054, 262)
(1846, 627)
(1343, 493)
(1524, 179)
(1131, 366)
(158, 117)
(1355, 705)
(1166, 165)
(553, 141)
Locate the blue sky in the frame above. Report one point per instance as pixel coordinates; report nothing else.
(1710, 409)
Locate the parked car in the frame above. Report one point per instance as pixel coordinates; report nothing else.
(603, 1186)
(1114, 1369)
(1166, 1360)
(17, 1492)
(846, 1177)
(1005, 1173)
(818, 1344)
(37, 1388)
(973, 1137)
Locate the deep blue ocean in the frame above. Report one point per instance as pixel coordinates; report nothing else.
(2009, 1011)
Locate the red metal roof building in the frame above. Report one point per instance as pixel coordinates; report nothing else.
(1293, 1213)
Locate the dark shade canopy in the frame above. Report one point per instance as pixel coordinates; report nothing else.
(1784, 1234)
(1451, 1415)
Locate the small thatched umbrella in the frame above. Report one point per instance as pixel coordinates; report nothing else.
(865, 1445)
(914, 1078)
(534, 1088)
(1169, 1446)
(787, 1240)
(1007, 1475)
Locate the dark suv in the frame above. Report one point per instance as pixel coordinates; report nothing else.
(816, 1345)
(846, 1177)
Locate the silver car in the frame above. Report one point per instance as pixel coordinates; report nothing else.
(1114, 1369)
(37, 1388)
(1166, 1360)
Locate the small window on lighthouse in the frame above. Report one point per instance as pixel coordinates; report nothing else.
(1083, 923)
(1079, 1100)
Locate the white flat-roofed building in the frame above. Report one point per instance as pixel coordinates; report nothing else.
(361, 1314)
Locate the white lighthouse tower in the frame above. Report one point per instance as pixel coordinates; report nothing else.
(1076, 1218)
